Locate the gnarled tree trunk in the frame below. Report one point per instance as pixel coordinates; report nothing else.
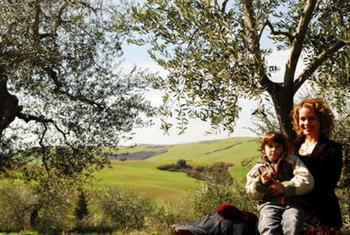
(9, 107)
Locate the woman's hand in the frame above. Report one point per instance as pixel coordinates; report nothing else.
(276, 188)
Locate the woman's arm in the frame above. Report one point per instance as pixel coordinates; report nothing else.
(332, 166)
(302, 182)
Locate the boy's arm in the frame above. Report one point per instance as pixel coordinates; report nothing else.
(302, 182)
(255, 189)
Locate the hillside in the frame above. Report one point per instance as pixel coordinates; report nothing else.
(143, 177)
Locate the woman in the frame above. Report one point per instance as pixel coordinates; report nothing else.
(313, 122)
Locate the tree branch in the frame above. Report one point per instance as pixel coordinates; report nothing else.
(29, 117)
(59, 19)
(44, 121)
(35, 26)
(276, 33)
(250, 22)
(253, 44)
(223, 6)
(88, 6)
(43, 149)
(59, 89)
(317, 62)
(297, 46)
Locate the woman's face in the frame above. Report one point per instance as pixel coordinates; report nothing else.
(273, 151)
(309, 123)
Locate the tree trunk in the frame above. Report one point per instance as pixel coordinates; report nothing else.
(34, 215)
(282, 99)
(8, 105)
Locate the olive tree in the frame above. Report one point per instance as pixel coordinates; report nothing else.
(62, 89)
(216, 52)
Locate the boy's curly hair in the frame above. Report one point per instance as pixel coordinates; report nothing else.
(322, 111)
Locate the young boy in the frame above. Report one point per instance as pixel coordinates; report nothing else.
(275, 182)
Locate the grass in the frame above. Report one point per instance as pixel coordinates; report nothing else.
(229, 150)
(143, 177)
(29, 232)
(23, 232)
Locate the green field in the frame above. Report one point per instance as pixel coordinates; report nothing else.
(143, 177)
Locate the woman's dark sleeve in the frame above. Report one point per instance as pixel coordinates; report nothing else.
(334, 165)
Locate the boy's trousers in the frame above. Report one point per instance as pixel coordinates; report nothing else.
(281, 219)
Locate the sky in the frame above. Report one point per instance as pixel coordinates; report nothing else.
(136, 55)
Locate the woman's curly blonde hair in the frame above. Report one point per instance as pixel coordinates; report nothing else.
(322, 111)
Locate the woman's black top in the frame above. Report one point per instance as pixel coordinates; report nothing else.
(325, 164)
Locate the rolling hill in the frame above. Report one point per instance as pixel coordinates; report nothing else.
(143, 177)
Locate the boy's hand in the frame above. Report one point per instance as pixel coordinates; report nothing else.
(275, 187)
(266, 178)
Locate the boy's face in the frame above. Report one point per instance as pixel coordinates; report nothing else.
(273, 151)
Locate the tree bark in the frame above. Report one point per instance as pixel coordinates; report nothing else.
(9, 107)
(282, 99)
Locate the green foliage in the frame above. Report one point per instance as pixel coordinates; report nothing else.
(57, 200)
(165, 214)
(47, 205)
(344, 196)
(264, 118)
(212, 194)
(216, 53)
(50, 205)
(181, 163)
(22, 232)
(187, 39)
(123, 210)
(60, 75)
(17, 200)
(343, 192)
